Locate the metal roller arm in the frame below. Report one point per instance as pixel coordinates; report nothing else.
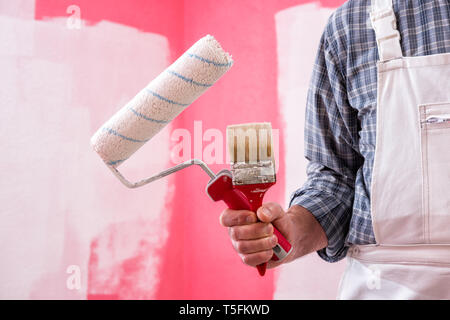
(163, 173)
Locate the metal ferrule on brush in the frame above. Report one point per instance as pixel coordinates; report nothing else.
(253, 173)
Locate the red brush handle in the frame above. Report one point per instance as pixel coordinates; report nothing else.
(246, 197)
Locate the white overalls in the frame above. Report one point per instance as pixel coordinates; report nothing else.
(410, 190)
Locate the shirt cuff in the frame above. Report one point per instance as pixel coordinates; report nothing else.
(332, 215)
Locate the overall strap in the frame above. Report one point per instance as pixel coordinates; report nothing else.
(385, 26)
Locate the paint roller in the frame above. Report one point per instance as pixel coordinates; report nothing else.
(159, 103)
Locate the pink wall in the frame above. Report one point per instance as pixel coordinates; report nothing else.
(164, 240)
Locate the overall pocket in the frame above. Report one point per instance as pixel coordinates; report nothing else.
(435, 144)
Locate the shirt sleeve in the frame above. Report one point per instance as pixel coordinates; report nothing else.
(331, 137)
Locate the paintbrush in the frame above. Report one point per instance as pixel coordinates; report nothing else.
(252, 173)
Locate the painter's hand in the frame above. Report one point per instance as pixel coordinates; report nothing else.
(252, 234)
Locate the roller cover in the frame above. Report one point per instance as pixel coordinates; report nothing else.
(161, 101)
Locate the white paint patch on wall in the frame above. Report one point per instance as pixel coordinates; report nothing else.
(22, 9)
(57, 86)
(299, 30)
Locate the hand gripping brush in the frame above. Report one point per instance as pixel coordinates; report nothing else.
(159, 103)
(252, 174)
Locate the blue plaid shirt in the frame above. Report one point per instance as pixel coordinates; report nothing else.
(341, 114)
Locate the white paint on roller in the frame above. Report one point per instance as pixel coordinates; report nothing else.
(161, 101)
(298, 30)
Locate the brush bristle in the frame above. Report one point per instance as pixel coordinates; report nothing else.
(251, 153)
(250, 142)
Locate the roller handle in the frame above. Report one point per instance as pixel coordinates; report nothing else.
(246, 197)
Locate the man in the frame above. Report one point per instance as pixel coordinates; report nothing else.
(376, 137)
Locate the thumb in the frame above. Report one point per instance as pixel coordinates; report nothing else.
(269, 212)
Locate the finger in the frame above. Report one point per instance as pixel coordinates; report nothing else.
(254, 259)
(270, 211)
(230, 218)
(251, 232)
(252, 246)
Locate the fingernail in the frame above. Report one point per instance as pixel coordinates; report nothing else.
(269, 229)
(274, 239)
(266, 212)
(250, 219)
